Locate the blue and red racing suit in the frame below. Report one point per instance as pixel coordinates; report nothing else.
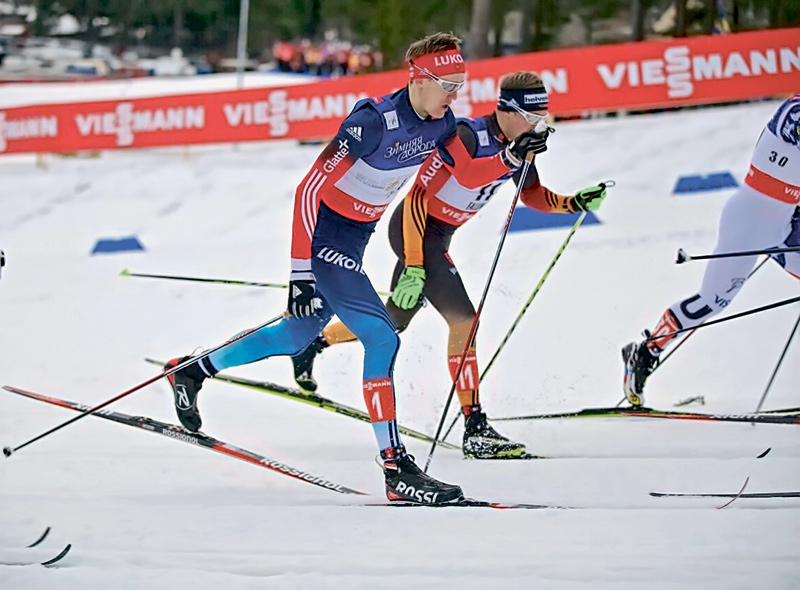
(378, 148)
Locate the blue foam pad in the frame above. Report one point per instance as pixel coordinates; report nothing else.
(526, 219)
(693, 184)
(110, 245)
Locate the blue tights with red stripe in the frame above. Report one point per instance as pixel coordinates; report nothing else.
(337, 251)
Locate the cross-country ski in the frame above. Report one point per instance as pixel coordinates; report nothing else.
(35, 556)
(41, 538)
(749, 495)
(196, 438)
(311, 399)
(470, 503)
(642, 412)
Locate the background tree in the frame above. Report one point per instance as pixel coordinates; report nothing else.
(479, 29)
(590, 11)
(711, 15)
(392, 26)
(680, 18)
(639, 9)
(211, 25)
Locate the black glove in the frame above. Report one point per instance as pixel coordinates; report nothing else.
(303, 301)
(525, 143)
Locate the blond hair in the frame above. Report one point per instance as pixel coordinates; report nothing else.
(521, 80)
(432, 44)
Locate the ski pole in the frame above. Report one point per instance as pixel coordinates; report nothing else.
(731, 317)
(684, 257)
(536, 289)
(468, 344)
(675, 348)
(8, 451)
(525, 307)
(126, 273)
(685, 338)
(778, 366)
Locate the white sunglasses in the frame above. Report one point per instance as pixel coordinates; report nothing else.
(531, 118)
(447, 86)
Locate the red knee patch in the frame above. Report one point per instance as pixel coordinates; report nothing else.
(379, 395)
(665, 327)
(469, 378)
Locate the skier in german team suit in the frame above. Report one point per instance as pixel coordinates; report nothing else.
(421, 229)
(761, 214)
(378, 147)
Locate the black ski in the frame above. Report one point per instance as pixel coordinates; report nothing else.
(313, 399)
(783, 411)
(525, 457)
(41, 538)
(471, 503)
(763, 418)
(32, 556)
(752, 495)
(58, 557)
(195, 438)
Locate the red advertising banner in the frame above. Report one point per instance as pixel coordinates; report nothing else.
(658, 74)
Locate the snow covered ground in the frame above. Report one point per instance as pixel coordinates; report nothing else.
(23, 94)
(146, 512)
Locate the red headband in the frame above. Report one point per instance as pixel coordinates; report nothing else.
(441, 63)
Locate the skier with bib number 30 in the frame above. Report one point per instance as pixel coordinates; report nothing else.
(761, 214)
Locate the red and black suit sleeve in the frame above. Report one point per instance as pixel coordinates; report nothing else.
(471, 172)
(540, 197)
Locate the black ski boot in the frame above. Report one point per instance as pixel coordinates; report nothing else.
(304, 364)
(481, 441)
(639, 364)
(186, 384)
(405, 482)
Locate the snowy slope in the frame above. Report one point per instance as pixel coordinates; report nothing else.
(143, 511)
(24, 94)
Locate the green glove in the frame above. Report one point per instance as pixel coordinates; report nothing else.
(590, 198)
(409, 288)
